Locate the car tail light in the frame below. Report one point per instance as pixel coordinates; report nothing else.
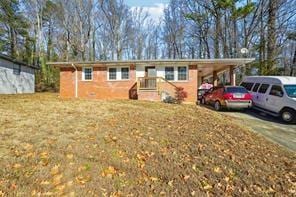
(227, 96)
(248, 96)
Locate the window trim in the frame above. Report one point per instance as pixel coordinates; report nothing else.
(118, 73)
(83, 73)
(108, 74)
(173, 72)
(121, 73)
(176, 72)
(186, 73)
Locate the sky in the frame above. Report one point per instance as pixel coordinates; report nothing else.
(154, 7)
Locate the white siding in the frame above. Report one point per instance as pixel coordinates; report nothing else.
(140, 71)
(160, 71)
(11, 83)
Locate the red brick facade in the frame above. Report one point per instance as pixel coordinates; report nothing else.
(101, 88)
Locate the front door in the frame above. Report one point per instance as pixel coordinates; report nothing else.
(150, 74)
(150, 71)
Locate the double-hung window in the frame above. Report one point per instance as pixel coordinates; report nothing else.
(124, 73)
(169, 73)
(112, 73)
(182, 73)
(87, 73)
(118, 73)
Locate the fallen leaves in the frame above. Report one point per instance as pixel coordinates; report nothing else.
(154, 179)
(109, 172)
(83, 179)
(57, 179)
(159, 149)
(55, 170)
(17, 166)
(186, 177)
(70, 156)
(217, 170)
(170, 183)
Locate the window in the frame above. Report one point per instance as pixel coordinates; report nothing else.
(16, 69)
(125, 73)
(276, 91)
(291, 90)
(263, 88)
(248, 86)
(255, 89)
(182, 73)
(112, 73)
(118, 73)
(87, 73)
(169, 73)
(235, 90)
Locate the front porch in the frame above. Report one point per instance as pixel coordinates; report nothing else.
(154, 88)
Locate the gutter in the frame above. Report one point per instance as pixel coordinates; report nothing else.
(76, 80)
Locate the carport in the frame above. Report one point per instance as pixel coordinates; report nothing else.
(210, 68)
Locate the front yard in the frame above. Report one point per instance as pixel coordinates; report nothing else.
(50, 146)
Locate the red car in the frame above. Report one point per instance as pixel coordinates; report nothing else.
(230, 97)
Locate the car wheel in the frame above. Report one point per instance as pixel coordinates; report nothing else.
(288, 115)
(217, 106)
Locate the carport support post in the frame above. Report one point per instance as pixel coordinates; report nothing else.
(232, 75)
(215, 78)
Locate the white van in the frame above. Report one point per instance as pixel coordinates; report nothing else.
(273, 95)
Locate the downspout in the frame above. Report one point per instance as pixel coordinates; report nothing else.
(76, 80)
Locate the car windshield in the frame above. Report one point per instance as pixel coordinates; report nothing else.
(291, 90)
(236, 90)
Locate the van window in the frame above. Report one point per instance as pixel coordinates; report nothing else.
(276, 91)
(248, 86)
(255, 89)
(290, 90)
(263, 88)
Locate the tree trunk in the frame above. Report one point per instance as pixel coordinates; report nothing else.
(271, 35)
(12, 43)
(217, 34)
(49, 42)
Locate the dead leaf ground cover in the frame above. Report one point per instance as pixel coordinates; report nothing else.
(50, 146)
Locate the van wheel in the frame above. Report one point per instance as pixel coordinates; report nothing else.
(217, 106)
(288, 115)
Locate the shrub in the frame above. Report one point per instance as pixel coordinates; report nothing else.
(180, 95)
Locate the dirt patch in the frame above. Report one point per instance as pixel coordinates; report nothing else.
(51, 146)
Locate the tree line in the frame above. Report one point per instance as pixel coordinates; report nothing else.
(38, 31)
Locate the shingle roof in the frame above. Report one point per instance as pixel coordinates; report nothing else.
(8, 58)
(228, 61)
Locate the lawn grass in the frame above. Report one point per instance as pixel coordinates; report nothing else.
(50, 146)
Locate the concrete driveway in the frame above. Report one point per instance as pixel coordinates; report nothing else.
(272, 128)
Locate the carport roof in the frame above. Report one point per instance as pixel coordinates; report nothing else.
(205, 66)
